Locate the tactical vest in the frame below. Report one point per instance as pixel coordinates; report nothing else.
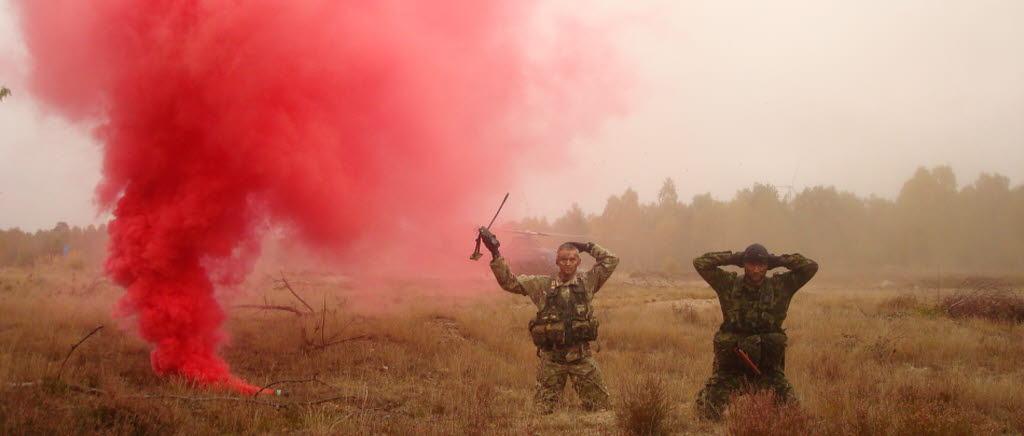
(563, 322)
(752, 323)
(752, 312)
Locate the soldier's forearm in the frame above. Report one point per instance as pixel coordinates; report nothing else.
(794, 262)
(713, 260)
(708, 266)
(604, 257)
(802, 267)
(504, 276)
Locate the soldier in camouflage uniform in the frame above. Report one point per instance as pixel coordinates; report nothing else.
(565, 325)
(750, 346)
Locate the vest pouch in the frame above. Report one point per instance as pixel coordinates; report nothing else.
(767, 351)
(726, 358)
(584, 331)
(773, 347)
(555, 333)
(539, 334)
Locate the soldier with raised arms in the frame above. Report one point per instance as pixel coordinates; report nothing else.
(565, 323)
(750, 346)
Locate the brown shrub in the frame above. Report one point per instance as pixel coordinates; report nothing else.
(756, 413)
(646, 408)
(991, 304)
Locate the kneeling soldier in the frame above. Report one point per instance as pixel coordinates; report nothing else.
(750, 346)
(565, 324)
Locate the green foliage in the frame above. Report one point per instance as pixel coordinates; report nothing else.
(930, 224)
(4, 92)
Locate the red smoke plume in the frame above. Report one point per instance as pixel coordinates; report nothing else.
(354, 124)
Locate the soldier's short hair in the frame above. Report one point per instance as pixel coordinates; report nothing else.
(568, 246)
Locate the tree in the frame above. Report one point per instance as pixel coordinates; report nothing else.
(573, 222)
(4, 92)
(932, 224)
(667, 196)
(927, 207)
(986, 221)
(534, 224)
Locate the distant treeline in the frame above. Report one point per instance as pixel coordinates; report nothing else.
(933, 224)
(85, 246)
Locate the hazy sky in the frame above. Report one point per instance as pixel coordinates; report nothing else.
(855, 94)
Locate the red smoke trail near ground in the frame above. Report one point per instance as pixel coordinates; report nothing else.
(355, 124)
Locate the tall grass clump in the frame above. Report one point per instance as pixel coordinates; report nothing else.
(646, 408)
(756, 413)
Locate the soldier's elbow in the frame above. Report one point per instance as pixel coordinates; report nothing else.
(811, 269)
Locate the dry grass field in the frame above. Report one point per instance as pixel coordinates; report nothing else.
(394, 358)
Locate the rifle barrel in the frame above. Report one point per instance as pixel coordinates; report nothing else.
(499, 211)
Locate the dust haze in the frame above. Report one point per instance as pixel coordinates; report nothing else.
(855, 95)
(797, 105)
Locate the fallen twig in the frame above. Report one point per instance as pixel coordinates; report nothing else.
(268, 307)
(323, 321)
(862, 311)
(351, 321)
(288, 286)
(252, 400)
(339, 397)
(72, 350)
(322, 346)
(86, 390)
(277, 382)
(238, 399)
(73, 387)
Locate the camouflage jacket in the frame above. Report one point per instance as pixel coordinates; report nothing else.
(536, 287)
(749, 309)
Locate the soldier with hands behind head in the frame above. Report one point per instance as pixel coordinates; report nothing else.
(565, 323)
(750, 345)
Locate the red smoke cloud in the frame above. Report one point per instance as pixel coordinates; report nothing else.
(354, 124)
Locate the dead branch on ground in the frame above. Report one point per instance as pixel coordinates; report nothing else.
(288, 286)
(339, 341)
(312, 379)
(333, 339)
(72, 350)
(268, 307)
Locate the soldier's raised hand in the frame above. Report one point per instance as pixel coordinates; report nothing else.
(490, 241)
(583, 247)
(736, 259)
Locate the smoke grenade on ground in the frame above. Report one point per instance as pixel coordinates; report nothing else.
(353, 125)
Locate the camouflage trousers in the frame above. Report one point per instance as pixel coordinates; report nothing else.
(731, 374)
(579, 365)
